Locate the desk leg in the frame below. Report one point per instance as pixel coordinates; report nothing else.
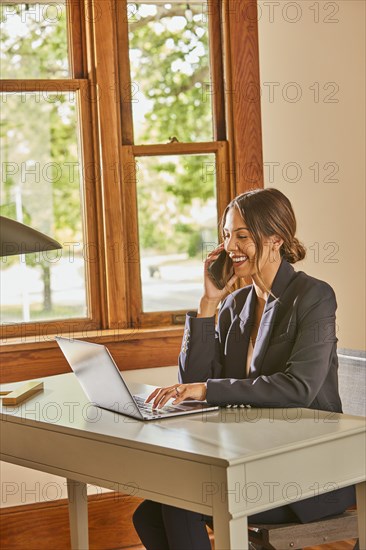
(230, 534)
(78, 514)
(361, 513)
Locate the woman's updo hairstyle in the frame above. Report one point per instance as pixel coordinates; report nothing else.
(268, 212)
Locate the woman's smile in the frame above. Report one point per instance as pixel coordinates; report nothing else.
(238, 261)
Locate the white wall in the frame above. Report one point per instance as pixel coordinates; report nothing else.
(316, 114)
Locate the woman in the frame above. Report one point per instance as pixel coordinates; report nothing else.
(274, 346)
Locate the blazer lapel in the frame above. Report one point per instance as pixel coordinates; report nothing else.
(280, 283)
(263, 337)
(237, 340)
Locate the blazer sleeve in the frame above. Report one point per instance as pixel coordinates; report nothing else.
(299, 379)
(201, 356)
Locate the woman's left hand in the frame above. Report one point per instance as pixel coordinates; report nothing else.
(179, 392)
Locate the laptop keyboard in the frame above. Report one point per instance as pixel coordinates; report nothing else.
(147, 407)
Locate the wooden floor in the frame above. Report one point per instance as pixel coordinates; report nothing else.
(346, 545)
(45, 525)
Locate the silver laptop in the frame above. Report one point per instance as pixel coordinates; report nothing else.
(104, 386)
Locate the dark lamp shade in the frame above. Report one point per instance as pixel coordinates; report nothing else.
(17, 238)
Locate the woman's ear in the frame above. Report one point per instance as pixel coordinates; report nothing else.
(277, 242)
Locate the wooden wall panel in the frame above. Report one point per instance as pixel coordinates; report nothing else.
(131, 350)
(46, 525)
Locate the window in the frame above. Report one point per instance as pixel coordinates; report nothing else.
(47, 169)
(41, 188)
(169, 55)
(177, 223)
(34, 40)
(174, 140)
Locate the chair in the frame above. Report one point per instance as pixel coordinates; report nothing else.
(352, 383)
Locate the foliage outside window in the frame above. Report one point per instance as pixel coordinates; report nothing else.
(170, 72)
(40, 165)
(41, 188)
(33, 40)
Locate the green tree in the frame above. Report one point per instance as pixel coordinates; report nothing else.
(170, 68)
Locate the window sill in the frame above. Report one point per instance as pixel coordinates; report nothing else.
(38, 357)
(98, 336)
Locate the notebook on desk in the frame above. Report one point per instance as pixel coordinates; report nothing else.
(104, 385)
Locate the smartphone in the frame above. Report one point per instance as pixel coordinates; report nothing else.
(221, 270)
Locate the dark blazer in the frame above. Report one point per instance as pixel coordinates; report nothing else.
(294, 361)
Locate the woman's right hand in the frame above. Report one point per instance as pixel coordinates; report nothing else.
(212, 295)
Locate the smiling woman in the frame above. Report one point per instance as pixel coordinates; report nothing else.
(274, 346)
(264, 224)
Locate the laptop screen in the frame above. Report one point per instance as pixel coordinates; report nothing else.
(99, 376)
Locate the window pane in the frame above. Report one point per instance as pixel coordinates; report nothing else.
(170, 74)
(41, 188)
(34, 40)
(177, 217)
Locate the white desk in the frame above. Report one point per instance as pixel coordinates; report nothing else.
(228, 464)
